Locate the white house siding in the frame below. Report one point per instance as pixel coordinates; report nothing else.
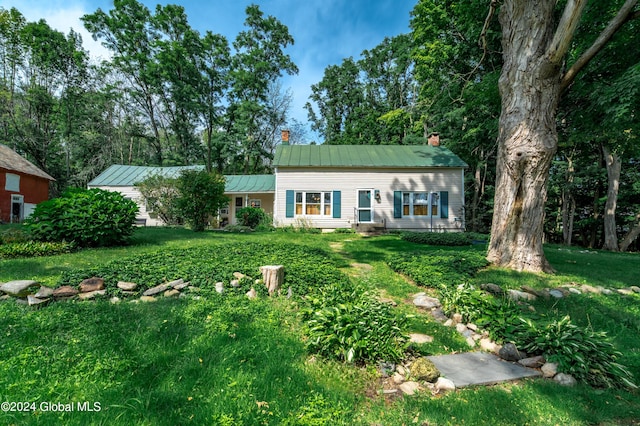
(348, 182)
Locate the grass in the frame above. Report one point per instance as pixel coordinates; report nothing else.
(228, 360)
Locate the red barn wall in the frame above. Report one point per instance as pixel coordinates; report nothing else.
(34, 189)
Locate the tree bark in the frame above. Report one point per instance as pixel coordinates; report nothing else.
(568, 204)
(614, 165)
(527, 140)
(631, 235)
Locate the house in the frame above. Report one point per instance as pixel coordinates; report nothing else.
(243, 190)
(22, 186)
(364, 187)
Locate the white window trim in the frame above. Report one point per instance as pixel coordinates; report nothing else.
(430, 215)
(304, 204)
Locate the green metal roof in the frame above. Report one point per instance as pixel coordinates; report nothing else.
(250, 183)
(120, 175)
(380, 156)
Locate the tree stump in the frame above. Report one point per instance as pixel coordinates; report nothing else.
(273, 276)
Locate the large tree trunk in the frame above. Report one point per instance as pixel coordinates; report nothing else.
(614, 166)
(631, 235)
(527, 140)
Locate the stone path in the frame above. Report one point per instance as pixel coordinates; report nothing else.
(479, 368)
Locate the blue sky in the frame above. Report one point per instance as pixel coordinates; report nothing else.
(325, 31)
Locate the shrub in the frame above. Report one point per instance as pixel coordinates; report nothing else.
(581, 352)
(347, 323)
(160, 194)
(14, 235)
(432, 269)
(252, 217)
(89, 218)
(34, 248)
(438, 238)
(201, 195)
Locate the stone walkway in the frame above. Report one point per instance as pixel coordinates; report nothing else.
(479, 368)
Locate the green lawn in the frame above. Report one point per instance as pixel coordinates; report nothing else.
(228, 360)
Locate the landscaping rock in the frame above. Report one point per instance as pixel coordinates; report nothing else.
(625, 291)
(549, 369)
(126, 286)
(115, 300)
(220, 287)
(574, 290)
(457, 318)
(509, 352)
(426, 302)
(438, 315)
(157, 289)
(172, 293)
(565, 379)
(489, 346)
(91, 284)
(251, 294)
(91, 294)
(590, 289)
(409, 388)
(64, 291)
(18, 288)
(181, 286)
(443, 384)
(235, 283)
(174, 283)
(531, 290)
(386, 368)
(238, 275)
(424, 369)
(147, 298)
(5, 297)
(635, 288)
(35, 301)
(556, 293)
(44, 292)
(398, 378)
(517, 295)
(494, 289)
(290, 293)
(420, 338)
(532, 362)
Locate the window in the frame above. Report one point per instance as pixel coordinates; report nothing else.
(12, 182)
(420, 203)
(313, 203)
(255, 203)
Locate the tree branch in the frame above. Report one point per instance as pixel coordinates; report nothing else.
(564, 33)
(624, 14)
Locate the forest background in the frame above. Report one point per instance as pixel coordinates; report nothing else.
(170, 95)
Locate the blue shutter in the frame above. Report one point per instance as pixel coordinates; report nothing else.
(337, 204)
(290, 198)
(397, 204)
(444, 204)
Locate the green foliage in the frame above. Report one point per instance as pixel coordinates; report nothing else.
(433, 269)
(13, 235)
(306, 269)
(201, 195)
(438, 238)
(347, 323)
(252, 217)
(582, 352)
(500, 316)
(34, 248)
(88, 218)
(160, 194)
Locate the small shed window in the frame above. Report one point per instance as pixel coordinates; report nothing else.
(12, 183)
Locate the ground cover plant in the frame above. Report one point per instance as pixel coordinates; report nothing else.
(229, 360)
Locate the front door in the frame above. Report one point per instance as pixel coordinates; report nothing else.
(17, 208)
(365, 205)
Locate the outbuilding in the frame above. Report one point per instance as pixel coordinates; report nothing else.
(22, 186)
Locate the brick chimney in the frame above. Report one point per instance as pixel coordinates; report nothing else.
(285, 136)
(434, 139)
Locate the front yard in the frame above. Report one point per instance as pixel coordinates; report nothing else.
(210, 358)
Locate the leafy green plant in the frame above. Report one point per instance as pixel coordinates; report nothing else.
(86, 217)
(432, 269)
(438, 238)
(14, 235)
(582, 352)
(350, 325)
(252, 217)
(201, 195)
(34, 248)
(501, 317)
(160, 194)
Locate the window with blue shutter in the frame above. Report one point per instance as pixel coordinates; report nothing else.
(397, 204)
(444, 204)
